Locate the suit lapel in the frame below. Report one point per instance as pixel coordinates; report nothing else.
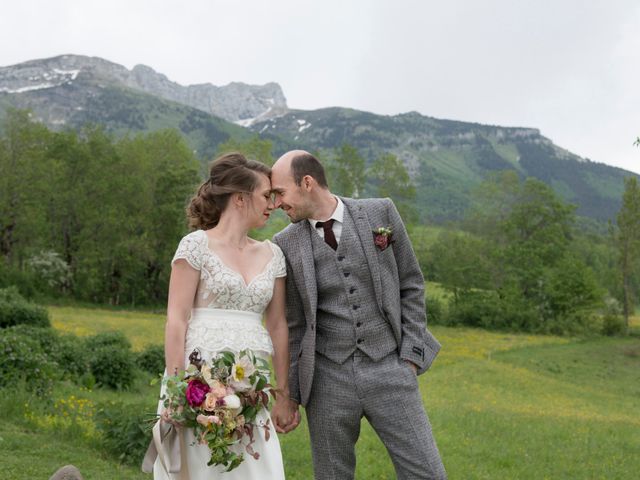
(365, 233)
(307, 282)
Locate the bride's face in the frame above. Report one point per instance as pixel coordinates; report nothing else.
(261, 204)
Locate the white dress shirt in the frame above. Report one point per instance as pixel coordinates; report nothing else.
(338, 217)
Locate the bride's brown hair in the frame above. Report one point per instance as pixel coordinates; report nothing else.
(230, 173)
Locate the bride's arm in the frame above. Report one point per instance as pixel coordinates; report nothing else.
(182, 291)
(278, 329)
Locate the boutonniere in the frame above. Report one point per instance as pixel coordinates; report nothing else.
(382, 237)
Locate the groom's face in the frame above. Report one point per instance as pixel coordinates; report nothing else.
(291, 198)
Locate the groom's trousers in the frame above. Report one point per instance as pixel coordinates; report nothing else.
(385, 393)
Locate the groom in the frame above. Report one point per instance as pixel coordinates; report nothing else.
(356, 314)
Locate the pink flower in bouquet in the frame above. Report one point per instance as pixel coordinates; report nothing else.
(210, 401)
(218, 389)
(196, 392)
(206, 420)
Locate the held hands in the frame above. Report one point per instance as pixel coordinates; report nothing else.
(285, 414)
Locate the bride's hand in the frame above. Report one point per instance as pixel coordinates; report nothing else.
(285, 414)
(166, 416)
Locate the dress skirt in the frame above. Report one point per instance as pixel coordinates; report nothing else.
(212, 330)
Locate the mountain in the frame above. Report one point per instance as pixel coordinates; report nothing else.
(236, 102)
(446, 158)
(70, 91)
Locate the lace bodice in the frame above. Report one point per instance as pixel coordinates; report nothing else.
(223, 287)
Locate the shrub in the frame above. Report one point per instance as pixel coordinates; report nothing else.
(110, 359)
(151, 359)
(474, 309)
(23, 362)
(434, 311)
(16, 310)
(51, 269)
(46, 337)
(72, 356)
(488, 309)
(125, 430)
(113, 339)
(26, 282)
(613, 325)
(68, 351)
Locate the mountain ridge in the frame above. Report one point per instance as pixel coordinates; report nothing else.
(256, 102)
(446, 158)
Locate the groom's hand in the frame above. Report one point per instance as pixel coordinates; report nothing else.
(413, 366)
(286, 415)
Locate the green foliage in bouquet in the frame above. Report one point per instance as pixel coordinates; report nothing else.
(221, 402)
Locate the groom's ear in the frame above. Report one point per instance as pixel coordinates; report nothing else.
(308, 182)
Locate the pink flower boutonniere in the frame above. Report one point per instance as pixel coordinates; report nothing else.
(382, 237)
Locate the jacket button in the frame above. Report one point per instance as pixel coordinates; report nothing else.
(352, 289)
(346, 274)
(312, 326)
(355, 307)
(359, 324)
(340, 258)
(360, 340)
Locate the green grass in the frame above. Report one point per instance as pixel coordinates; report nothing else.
(502, 406)
(141, 328)
(29, 454)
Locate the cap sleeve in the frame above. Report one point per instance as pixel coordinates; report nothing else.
(279, 262)
(190, 249)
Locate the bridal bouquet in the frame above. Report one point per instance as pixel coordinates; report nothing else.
(220, 401)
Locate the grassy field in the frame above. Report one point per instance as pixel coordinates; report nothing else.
(502, 406)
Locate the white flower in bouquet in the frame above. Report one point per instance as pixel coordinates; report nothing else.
(240, 373)
(232, 402)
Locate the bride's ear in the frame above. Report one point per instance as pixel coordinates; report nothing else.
(238, 199)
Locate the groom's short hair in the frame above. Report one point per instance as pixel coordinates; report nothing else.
(306, 164)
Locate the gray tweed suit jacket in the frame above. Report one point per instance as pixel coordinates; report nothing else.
(397, 278)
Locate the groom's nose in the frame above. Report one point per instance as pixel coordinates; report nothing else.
(277, 201)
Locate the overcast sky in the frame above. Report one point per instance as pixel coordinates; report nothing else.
(570, 68)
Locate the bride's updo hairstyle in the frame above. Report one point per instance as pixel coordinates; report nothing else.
(230, 173)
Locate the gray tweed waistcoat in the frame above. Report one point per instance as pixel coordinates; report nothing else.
(348, 317)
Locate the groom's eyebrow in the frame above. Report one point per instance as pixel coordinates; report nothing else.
(277, 190)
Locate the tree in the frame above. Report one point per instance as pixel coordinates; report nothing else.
(254, 148)
(526, 275)
(389, 178)
(346, 171)
(459, 261)
(628, 242)
(24, 183)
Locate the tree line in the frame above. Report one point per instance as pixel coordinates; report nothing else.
(97, 218)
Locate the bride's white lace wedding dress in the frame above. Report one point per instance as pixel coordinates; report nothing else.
(227, 315)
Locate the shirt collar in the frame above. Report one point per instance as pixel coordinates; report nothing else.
(337, 215)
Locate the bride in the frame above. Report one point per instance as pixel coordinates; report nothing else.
(222, 283)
